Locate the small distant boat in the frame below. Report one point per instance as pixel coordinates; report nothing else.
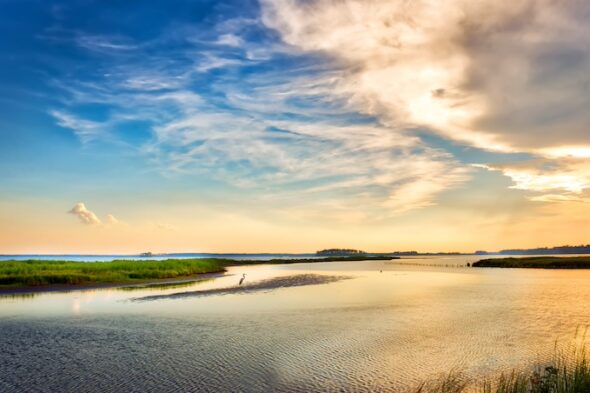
(146, 254)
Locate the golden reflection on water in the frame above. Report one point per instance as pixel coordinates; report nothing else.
(391, 322)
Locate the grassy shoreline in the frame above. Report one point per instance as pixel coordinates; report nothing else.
(48, 275)
(567, 372)
(537, 262)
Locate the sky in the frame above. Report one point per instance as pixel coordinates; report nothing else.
(293, 125)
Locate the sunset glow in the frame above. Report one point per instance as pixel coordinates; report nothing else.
(291, 126)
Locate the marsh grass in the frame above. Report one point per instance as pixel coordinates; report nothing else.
(453, 382)
(567, 372)
(36, 273)
(42, 273)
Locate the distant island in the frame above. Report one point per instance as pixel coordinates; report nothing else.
(340, 251)
(351, 252)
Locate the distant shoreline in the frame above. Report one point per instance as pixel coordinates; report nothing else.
(540, 262)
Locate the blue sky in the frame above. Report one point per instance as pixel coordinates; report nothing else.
(286, 116)
(88, 82)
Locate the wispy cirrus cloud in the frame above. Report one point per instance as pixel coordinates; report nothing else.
(277, 131)
(84, 129)
(230, 39)
(104, 44)
(567, 179)
(100, 44)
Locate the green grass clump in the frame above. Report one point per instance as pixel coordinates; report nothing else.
(537, 262)
(566, 373)
(39, 273)
(453, 382)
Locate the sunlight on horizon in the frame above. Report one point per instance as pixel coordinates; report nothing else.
(286, 126)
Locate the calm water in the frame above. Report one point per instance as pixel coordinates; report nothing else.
(375, 331)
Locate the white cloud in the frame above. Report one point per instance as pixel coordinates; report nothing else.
(150, 83)
(229, 40)
(566, 179)
(105, 44)
(559, 198)
(210, 62)
(85, 215)
(84, 129)
(401, 61)
(499, 75)
(366, 167)
(90, 218)
(111, 220)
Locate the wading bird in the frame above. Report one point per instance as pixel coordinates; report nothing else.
(242, 279)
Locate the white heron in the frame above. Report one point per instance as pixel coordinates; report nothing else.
(242, 279)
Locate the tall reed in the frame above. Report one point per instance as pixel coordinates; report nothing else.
(567, 372)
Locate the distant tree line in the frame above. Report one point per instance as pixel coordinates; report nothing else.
(339, 251)
(581, 249)
(349, 251)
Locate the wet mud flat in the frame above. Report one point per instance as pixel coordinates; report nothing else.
(264, 285)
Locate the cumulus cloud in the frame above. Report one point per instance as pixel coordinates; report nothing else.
(86, 216)
(502, 76)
